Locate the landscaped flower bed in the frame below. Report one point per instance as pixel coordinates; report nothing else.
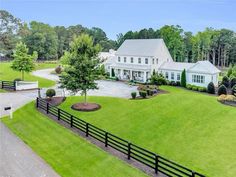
(227, 99)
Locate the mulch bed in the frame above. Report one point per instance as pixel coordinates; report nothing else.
(159, 92)
(229, 103)
(86, 107)
(55, 101)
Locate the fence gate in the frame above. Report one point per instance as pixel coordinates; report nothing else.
(9, 85)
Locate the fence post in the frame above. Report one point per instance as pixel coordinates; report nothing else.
(106, 139)
(156, 163)
(71, 121)
(2, 84)
(87, 129)
(58, 114)
(47, 108)
(129, 150)
(37, 102)
(193, 173)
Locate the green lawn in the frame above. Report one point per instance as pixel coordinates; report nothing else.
(6, 73)
(68, 154)
(190, 128)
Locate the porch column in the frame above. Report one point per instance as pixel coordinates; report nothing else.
(110, 71)
(131, 75)
(144, 76)
(121, 74)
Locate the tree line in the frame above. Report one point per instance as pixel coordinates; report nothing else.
(48, 41)
(216, 45)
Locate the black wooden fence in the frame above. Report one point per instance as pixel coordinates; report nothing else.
(8, 85)
(156, 162)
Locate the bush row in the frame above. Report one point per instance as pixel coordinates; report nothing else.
(196, 88)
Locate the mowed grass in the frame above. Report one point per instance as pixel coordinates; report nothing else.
(190, 128)
(67, 153)
(6, 73)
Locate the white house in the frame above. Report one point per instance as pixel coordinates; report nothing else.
(107, 58)
(137, 58)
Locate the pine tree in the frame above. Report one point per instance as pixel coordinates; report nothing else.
(183, 78)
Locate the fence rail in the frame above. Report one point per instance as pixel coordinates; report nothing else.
(9, 85)
(156, 162)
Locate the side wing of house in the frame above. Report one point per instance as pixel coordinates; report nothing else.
(202, 73)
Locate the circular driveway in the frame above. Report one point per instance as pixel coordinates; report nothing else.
(105, 88)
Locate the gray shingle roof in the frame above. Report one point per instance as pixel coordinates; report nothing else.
(177, 66)
(141, 47)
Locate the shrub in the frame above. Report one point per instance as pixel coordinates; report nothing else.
(232, 82)
(58, 69)
(211, 88)
(202, 89)
(50, 93)
(133, 94)
(222, 90)
(234, 90)
(173, 83)
(222, 97)
(17, 79)
(189, 86)
(183, 78)
(116, 78)
(178, 83)
(230, 98)
(225, 81)
(195, 88)
(143, 94)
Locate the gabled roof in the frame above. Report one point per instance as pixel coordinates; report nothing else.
(141, 47)
(204, 67)
(176, 66)
(199, 67)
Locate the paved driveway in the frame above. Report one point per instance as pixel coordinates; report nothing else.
(106, 88)
(18, 160)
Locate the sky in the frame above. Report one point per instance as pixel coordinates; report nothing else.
(120, 16)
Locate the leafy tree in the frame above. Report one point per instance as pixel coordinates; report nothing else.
(83, 66)
(43, 39)
(183, 78)
(23, 62)
(9, 27)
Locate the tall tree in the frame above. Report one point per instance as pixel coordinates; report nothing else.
(23, 62)
(83, 66)
(9, 27)
(43, 39)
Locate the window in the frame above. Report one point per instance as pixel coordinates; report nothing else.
(157, 61)
(198, 78)
(139, 60)
(146, 60)
(167, 76)
(118, 59)
(124, 59)
(178, 76)
(131, 60)
(172, 76)
(153, 61)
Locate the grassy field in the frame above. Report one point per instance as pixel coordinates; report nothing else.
(66, 152)
(190, 128)
(6, 73)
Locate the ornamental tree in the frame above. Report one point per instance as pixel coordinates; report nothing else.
(23, 61)
(82, 66)
(183, 78)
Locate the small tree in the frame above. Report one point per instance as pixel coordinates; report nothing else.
(23, 62)
(83, 66)
(232, 82)
(211, 88)
(222, 90)
(183, 78)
